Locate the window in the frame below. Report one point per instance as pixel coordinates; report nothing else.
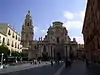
(3, 40)
(57, 39)
(28, 24)
(9, 33)
(12, 44)
(0, 39)
(15, 45)
(44, 50)
(22, 28)
(32, 32)
(18, 46)
(16, 37)
(13, 35)
(8, 42)
(35, 47)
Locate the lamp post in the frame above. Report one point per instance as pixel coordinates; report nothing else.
(2, 58)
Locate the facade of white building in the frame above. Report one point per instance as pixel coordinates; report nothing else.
(10, 37)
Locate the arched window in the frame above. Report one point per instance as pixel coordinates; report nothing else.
(9, 33)
(16, 37)
(0, 39)
(12, 44)
(3, 41)
(57, 39)
(44, 49)
(35, 47)
(13, 35)
(8, 42)
(15, 45)
(28, 24)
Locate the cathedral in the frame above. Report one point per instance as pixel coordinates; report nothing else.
(56, 42)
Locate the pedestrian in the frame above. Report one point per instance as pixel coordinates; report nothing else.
(69, 62)
(51, 62)
(87, 63)
(66, 62)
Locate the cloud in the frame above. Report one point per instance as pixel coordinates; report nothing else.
(35, 29)
(43, 31)
(39, 32)
(68, 15)
(79, 39)
(73, 25)
(75, 21)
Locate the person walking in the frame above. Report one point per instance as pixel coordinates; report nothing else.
(51, 62)
(66, 62)
(87, 63)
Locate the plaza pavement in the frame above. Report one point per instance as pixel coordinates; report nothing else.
(43, 70)
(22, 67)
(77, 68)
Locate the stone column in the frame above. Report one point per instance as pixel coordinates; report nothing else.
(65, 51)
(53, 51)
(49, 50)
(40, 53)
(30, 53)
(68, 50)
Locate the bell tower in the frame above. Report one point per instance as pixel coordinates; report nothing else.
(27, 32)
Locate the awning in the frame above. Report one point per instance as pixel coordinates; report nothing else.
(11, 57)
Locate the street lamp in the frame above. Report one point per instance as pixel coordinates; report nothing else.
(2, 58)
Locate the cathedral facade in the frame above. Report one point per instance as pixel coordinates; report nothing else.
(56, 42)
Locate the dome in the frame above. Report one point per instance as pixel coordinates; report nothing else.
(57, 23)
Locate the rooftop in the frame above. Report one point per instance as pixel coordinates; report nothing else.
(4, 26)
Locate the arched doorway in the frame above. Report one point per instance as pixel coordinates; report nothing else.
(45, 54)
(58, 55)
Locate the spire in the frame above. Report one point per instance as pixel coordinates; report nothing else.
(28, 15)
(28, 12)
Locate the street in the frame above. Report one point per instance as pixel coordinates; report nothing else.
(77, 68)
(44, 70)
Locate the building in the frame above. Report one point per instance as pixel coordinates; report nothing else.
(91, 32)
(80, 50)
(2, 37)
(57, 42)
(27, 35)
(10, 37)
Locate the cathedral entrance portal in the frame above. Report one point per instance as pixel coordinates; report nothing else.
(58, 56)
(44, 54)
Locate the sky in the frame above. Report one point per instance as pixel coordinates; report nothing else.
(44, 12)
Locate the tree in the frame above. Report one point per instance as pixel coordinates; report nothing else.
(15, 54)
(4, 49)
(23, 54)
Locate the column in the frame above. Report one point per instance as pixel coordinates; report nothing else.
(51, 51)
(65, 51)
(68, 50)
